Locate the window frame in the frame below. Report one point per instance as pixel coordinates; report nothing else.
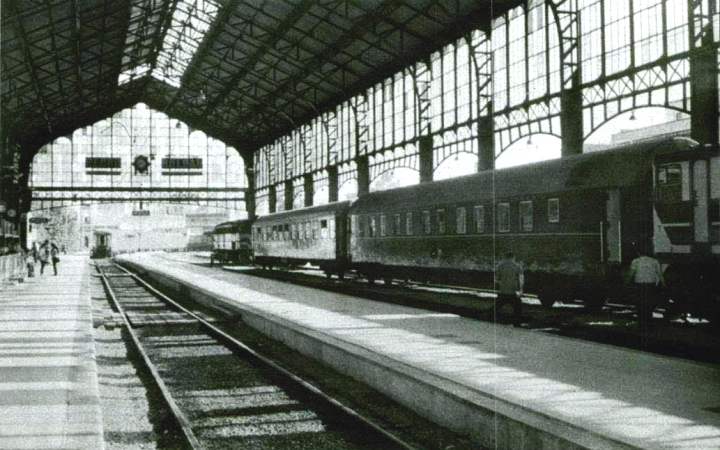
(503, 208)
(479, 218)
(553, 218)
(523, 225)
(461, 220)
(426, 222)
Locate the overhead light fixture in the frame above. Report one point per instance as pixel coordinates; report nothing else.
(632, 115)
(529, 141)
(177, 125)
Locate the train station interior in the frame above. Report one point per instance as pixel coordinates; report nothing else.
(361, 224)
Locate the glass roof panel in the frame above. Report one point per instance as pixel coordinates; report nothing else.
(190, 21)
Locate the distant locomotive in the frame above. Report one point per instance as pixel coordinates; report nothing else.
(575, 223)
(231, 242)
(102, 248)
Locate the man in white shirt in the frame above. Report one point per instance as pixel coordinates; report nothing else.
(509, 279)
(646, 274)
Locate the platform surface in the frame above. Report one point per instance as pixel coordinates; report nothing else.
(48, 376)
(636, 398)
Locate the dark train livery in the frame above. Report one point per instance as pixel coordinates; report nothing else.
(232, 242)
(575, 223)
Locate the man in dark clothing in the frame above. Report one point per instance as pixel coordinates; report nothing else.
(509, 280)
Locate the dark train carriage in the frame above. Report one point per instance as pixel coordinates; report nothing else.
(232, 242)
(567, 220)
(315, 235)
(102, 247)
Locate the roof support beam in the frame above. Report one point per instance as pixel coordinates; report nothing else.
(76, 50)
(31, 68)
(160, 34)
(288, 22)
(217, 27)
(346, 39)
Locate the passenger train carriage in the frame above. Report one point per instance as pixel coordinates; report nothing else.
(315, 235)
(232, 242)
(575, 223)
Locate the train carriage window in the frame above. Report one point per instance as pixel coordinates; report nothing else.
(286, 231)
(331, 228)
(372, 228)
(359, 225)
(409, 224)
(526, 216)
(669, 183)
(397, 228)
(461, 219)
(383, 225)
(553, 211)
(324, 233)
(315, 227)
(503, 217)
(426, 222)
(441, 220)
(479, 213)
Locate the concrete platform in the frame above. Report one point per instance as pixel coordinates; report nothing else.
(48, 377)
(507, 387)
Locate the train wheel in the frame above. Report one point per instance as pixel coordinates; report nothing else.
(371, 279)
(341, 275)
(387, 281)
(328, 274)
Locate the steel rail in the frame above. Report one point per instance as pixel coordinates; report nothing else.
(178, 415)
(316, 391)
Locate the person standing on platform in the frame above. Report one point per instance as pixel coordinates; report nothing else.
(509, 280)
(647, 277)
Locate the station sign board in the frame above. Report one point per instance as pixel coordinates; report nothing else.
(141, 212)
(39, 220)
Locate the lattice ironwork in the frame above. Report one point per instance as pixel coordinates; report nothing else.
(481, 55)
(403, 157)
(567, 19)
(423, 78)
(330, 123)
(453, 142)
(361, 106)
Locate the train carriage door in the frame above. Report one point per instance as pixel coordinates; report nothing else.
(613, 230)
(700, 202)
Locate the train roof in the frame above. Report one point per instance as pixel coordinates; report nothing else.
(231, 226)
(619, 167)
(328, 207)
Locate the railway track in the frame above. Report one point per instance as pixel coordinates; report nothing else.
(223, 394)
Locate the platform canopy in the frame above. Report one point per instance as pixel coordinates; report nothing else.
(244, 71)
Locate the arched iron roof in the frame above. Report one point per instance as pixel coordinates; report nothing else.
(244, 71)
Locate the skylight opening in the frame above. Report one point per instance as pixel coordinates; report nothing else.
(190, 22)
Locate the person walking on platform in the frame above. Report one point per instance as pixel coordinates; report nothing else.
(49, 253)
(647, 278)
(509, 280)
(44, 256)
(55, 257)
(30, 263)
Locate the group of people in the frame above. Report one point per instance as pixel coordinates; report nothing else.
(46, 253)
(645, 275)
